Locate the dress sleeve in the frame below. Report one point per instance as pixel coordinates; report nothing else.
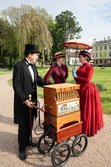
(87, 77)
(66, 76)
(47, 75)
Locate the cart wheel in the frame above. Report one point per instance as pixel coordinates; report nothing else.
(45, 144)
(79, 145)
(61, 154)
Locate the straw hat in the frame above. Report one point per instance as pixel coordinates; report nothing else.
(58, 54)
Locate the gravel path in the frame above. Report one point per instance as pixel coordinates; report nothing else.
(97, 154)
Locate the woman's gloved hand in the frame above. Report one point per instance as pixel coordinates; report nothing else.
(74, 74)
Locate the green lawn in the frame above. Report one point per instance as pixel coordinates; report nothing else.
(4, 71)
(101, 76)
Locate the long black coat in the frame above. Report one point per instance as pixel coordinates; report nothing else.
(23, 86)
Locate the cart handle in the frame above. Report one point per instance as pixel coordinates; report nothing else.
(38, 108)
(41, 109)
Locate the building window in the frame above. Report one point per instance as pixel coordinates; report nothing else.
(100, 61)
(109, 61)
(105, 47)
(72, 61)
(109, 54)
(96, 55)
(109, 46)
(100, 47)
(96, 48)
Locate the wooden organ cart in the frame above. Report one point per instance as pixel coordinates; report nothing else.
(62, 121)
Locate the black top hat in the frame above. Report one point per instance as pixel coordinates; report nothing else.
(31, 48)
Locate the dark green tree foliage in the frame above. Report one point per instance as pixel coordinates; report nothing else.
(66, 28)
(7, 43)
(24, 25)
(19, 26)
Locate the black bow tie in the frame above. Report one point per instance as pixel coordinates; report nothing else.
(29, 64)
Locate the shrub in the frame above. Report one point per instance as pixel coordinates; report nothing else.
(100, 87)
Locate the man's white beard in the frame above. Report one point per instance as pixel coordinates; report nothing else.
(35, 60)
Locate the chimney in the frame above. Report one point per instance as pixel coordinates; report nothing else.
(94, 40)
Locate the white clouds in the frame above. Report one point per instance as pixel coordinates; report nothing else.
(93, 16)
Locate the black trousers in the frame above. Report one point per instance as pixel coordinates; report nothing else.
(24, 134)
(24, 130)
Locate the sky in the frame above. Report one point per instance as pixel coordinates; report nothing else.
(94, 16)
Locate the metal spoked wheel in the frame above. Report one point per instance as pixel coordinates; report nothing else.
(61, 154)
(45, 144)
(79, 145)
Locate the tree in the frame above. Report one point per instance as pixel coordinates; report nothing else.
(66, 27)
(50, 23)
(7, 43)
(103, 55)
(13, 14)
(30, 27)
(47, 18)
(34, 30)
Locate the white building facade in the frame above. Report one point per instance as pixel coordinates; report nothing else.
(101, 52)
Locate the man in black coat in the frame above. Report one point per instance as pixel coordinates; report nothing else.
(25, 80)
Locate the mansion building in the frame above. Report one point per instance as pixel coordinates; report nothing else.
(101, 52)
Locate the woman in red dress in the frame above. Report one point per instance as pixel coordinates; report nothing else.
(58, 71)
(90, 103)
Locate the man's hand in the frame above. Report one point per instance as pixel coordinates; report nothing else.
(29, 103)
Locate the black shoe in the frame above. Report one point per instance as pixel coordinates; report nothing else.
(22, 155)
(32, 144)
